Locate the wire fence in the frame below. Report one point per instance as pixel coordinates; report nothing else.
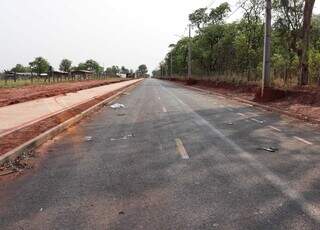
(8, 80)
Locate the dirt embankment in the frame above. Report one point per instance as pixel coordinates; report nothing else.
(20, 136)
(303, 102)
(32, 92)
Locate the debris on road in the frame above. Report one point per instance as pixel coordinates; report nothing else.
(121, 114)
(7, 172)
(126, 137)
(88, 138)
(268, 149)
(258, 121)
(16, 165)
(117, 106)
(229, 123)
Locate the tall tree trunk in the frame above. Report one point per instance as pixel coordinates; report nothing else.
(307, 16)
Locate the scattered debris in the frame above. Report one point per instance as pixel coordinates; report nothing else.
(229, 123)
(268, 149)
(7, 172)
(121, 213)
(41, 209)
(126, 94)
(16, 165)
(121, 114)
(258, 121)
(88, 138)
(117, 106)
(126, 137)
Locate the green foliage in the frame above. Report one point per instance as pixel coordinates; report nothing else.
(90, 65)
(199, 17)
(124, 70)
(20, 69)
(236, 49)
(113, 70)
(142, 70)
(65, 65)
(218, 14)
(39, 65)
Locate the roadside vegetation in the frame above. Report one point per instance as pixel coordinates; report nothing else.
(233, 51)
(40, 72)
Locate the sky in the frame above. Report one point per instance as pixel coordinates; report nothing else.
(112, 32)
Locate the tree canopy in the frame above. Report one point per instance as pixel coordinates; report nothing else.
(65, 65)
(142, 70)
(234, 50)
(40, 65)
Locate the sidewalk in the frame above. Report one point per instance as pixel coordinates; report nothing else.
(23, 114)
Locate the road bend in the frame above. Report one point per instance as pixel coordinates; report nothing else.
(173, 158)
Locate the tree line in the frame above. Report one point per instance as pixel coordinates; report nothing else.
(40, 65)
(234, 51)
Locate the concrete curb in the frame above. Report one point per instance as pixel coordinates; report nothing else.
(252, 103)
(49, 134)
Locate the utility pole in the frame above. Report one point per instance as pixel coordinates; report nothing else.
(189, 54)
(171, 64)
(267, 49)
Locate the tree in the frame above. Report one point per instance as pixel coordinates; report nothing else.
(233, 51)
(19, 69)
(199, 17)
(39, 65)
(142, 70)
(113, 70)
(124, 70)
(218, 14)
(65, 65)
(307, 16)
(93, 65)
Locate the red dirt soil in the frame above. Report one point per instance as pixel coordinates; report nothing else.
(16, 138)
(302, 102)
(27, 93)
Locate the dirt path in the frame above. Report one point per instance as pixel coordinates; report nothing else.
(28, 93)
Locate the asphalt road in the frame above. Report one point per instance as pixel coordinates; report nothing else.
(174, 158)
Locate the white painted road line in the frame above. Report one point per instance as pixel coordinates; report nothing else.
(274, 128)
(164, 109)
(278, 182)
(302, 140)
(181, 150)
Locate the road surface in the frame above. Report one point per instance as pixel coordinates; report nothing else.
(173, 159)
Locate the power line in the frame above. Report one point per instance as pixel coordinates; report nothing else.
(240, 5)
(211, 4)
